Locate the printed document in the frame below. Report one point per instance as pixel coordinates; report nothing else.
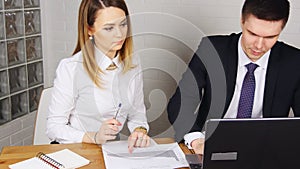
(162, 156)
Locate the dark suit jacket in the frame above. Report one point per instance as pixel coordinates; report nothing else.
(282, 86)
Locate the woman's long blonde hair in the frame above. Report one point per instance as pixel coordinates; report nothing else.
(86, 18)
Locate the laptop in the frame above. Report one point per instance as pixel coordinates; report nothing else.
(266, 143)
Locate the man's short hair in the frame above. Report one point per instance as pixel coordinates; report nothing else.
(270, 10)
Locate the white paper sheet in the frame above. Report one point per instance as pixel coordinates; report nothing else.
(68, 158)
(162, 156)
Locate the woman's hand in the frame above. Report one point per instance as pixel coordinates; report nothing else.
(138, 138)
(198, 145)
(108, 131)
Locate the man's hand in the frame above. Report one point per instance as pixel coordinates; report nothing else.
(198, 145)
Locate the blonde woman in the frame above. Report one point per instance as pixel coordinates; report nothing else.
(101, 85)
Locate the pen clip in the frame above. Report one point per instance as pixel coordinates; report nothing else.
(119, 107)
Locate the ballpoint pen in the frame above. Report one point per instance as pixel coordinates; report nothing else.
(115, 117)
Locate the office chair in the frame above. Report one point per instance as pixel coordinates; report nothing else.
(40, 136)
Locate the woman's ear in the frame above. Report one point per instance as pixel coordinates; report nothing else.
(91, 31)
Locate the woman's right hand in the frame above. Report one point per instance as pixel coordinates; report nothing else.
(108, 131)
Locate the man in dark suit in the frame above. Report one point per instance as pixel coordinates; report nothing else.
(276, 85)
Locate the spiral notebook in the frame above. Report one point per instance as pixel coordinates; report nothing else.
(64, 159)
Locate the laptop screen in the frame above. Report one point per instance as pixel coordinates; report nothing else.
(252, 143)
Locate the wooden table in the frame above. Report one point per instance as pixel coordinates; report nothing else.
(13, 154)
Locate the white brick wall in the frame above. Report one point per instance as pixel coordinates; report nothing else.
(172, 24)
(59, 31)
(18, 132)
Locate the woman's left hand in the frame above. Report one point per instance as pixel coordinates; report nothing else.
(138, 139)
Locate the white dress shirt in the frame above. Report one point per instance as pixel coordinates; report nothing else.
(79, 106)
(260, 78)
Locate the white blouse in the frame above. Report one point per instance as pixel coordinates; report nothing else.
(79, 106)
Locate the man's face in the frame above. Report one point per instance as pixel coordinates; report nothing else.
(258, 36)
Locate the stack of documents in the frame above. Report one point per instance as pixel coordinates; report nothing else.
(162, 156)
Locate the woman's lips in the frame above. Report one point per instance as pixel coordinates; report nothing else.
(119, 42)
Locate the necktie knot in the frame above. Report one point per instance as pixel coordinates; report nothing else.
(112, 66)
(251, 67)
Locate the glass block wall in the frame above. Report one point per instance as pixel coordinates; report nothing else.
(21, 63)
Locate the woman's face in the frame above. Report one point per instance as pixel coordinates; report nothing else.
(109, 30)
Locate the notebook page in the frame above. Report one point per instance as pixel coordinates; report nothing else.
(32, 163)
(69, 159)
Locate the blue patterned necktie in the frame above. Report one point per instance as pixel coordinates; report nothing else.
(247, 93)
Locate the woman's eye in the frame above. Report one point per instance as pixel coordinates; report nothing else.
(108, 29)
(124, 24)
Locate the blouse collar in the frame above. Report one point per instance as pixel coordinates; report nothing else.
(104, 61)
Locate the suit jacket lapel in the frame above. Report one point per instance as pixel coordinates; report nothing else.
(230, 66)
(271, 78)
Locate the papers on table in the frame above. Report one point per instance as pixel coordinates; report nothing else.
(162, 156)
(65, 159)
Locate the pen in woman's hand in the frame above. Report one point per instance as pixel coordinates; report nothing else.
(115, 117)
